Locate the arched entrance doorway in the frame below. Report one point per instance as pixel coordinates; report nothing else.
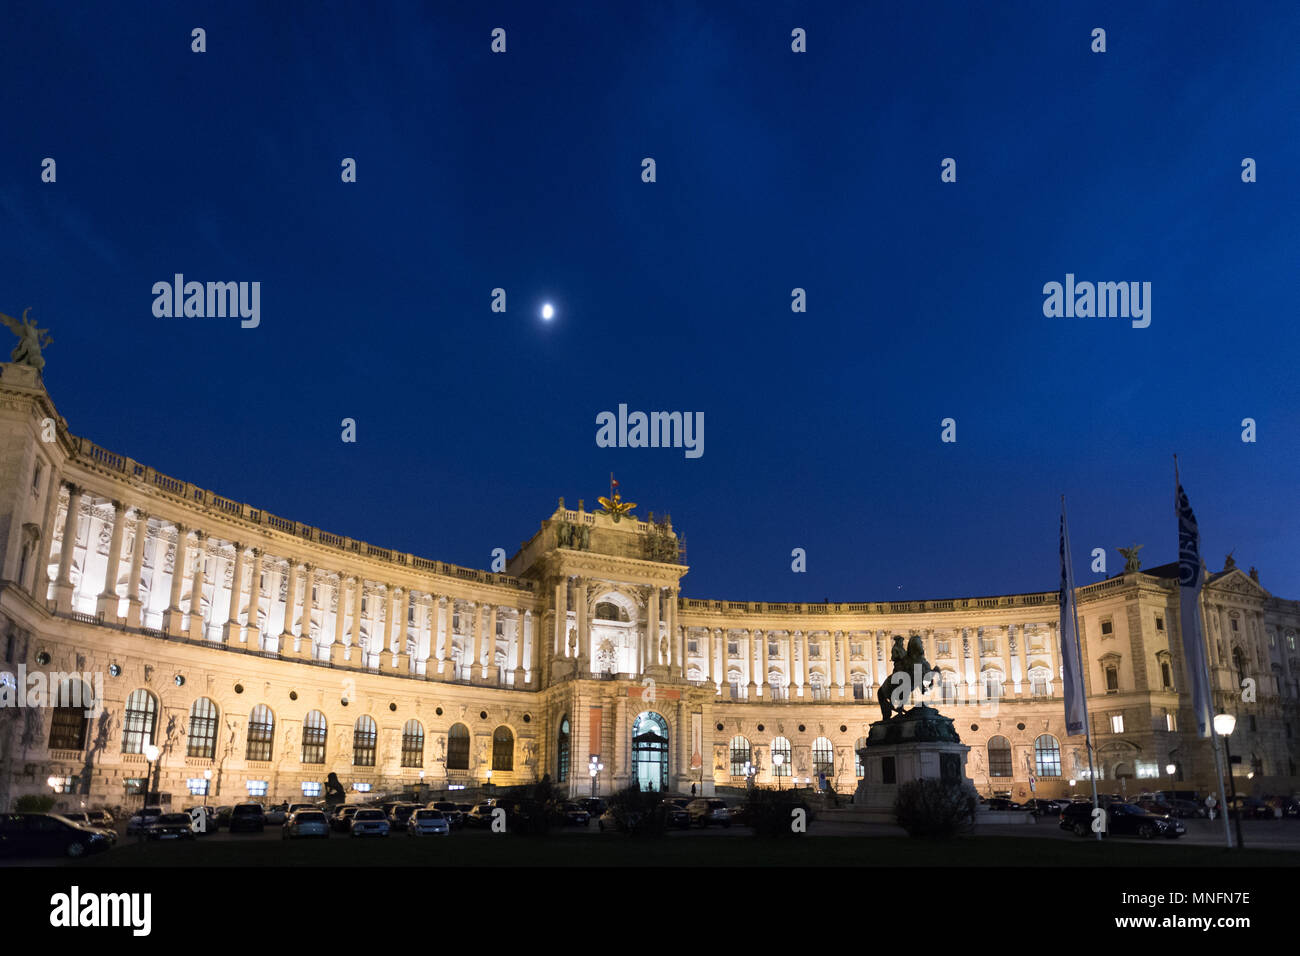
(650, 751)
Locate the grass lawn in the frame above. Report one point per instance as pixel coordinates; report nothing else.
(740, 850)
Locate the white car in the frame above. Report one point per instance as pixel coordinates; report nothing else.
(428, 823)
(369, 821)
(305, 823)
(140, 819)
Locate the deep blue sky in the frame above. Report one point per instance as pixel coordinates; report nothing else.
(775, 170)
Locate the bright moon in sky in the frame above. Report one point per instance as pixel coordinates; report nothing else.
(548, 311)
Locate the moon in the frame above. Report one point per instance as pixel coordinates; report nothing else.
(548, 311)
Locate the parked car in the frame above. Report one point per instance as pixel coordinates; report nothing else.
(86, 819)
(595, 805)
(612, 820)
(480, 815)
(45, 834)
(576, 815)
(1250, 808)
(1122, 819)
(308, 822)
(247, 816)
(138, 819)
(101, 818)
(369, 821)
(223, 817)
(707, 810)
(400, 813)
(1003, 803)
(455, 816)
(170, 826)
(274, 815)
(426, 822)
(295, 807)
(202, 819)
(342, 819)
(1043, 808)
(675, 813)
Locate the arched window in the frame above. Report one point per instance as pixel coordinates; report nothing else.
(314, 737)
(503, 749)
(202, 739)
(562, 752)
(823, 757)
(1039, 684)
(458, 747)
(1239, 662)
(139, 721)
(949, 685)
(999, 757)
(68, 722)
(364, 735)
(859, 745)
(992, 684)
(261, 733)
(1047, 756)
(413, 744)
(781, 746)
(740, 752)
(609, 611)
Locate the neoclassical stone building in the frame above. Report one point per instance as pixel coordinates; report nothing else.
(258, 654)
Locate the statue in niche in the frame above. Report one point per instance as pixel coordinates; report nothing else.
(573, 642)
(30, 340)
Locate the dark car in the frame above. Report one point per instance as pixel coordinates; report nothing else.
(1002, 803)
(455, 816)
(707, 810)
(47, 834)
(595, 805)
(247, 816)
(222, 819)
(1122, 819)
(170, 826)
(1251, 808)
(400, 813)
(1043, 808)
(481, 814)
(341, 822)
(675, 814)
(575, 815)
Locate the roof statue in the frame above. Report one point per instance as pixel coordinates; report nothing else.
(1131, 560)
(30, 340)
(614, 506)
(1229, 562)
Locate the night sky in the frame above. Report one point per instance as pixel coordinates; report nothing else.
(775, 170)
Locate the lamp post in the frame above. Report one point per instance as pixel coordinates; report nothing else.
(749, 775)
(151, 754)
(777, 760)
(489, 782)
(594, 767)
(1224, 725)
(1171, 769)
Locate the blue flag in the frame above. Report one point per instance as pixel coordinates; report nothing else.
(1076, 705)
(1189, 617)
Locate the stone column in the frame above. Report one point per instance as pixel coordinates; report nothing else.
(1018, 641)
(750, 661)
(447, 607)
(842, 669)
(402, 659)
(106, 605)
(652, 609)
(521, 664)
(561, 619)
(63, 586)
(252, 622)
(803, 669)
(384, 632)
(338, 648)
(133, 606)
(355, 652)
(534, 653)
(584, 629)
(719, 648)
(762, 663)
(306, 646)
(290, 603)
(236, 589)
(197, 630)
(174, 611)
(489, 661)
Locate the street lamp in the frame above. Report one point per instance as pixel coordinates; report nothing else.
(489, 781)
(777, 760)
(151, 754)
(1171, 769)
(1224, 725)
(749, 775)
(594, 767)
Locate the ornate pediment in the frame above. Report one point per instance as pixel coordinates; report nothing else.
(1239, 582)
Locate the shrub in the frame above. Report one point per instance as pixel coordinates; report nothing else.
(933, 808)
(639, 812)
(34, 803)
(771, 812)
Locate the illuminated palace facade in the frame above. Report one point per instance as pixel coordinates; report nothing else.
(258, 654)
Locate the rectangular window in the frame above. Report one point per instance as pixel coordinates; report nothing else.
(256, 788)
(1116, 723)
(1038, 685)
(1234, 624)
(733, 649)
(363, 787)
(1171, 721)
(36, 477)
(773, 649)
(1000, 760)
(311, 788)
(814, 650)
(1112, 680)
(198, 786)
(61, 784)
(134, 785)
(1107, 628)
(988, 646)
(855, 650)
(1160, 622)
(945, 648)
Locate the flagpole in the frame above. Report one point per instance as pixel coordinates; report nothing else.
(1216, 744)
(1087, 721)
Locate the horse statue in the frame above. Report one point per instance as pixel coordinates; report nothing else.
(911, 669)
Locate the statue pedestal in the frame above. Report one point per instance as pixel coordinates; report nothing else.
(918, 745)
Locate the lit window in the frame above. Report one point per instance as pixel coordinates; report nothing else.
(999, 757)
(364, 735)
(62, 784)
(257, 788)
(740, 753)
(781, 747)
(138, 722)
(823, 757)
(202, 739)
(314, 737)
(198, 786)
(311, 788)
(413, 744)
(261, 733)
(1116, 723)
(503, 749)
(1112, 680)
(1047, 756)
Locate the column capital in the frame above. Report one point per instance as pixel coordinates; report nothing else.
(141, 515)
(199, 536)
(74, 490)
(118, 506)
(239, 548)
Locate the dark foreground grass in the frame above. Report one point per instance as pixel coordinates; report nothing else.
(739, 851)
